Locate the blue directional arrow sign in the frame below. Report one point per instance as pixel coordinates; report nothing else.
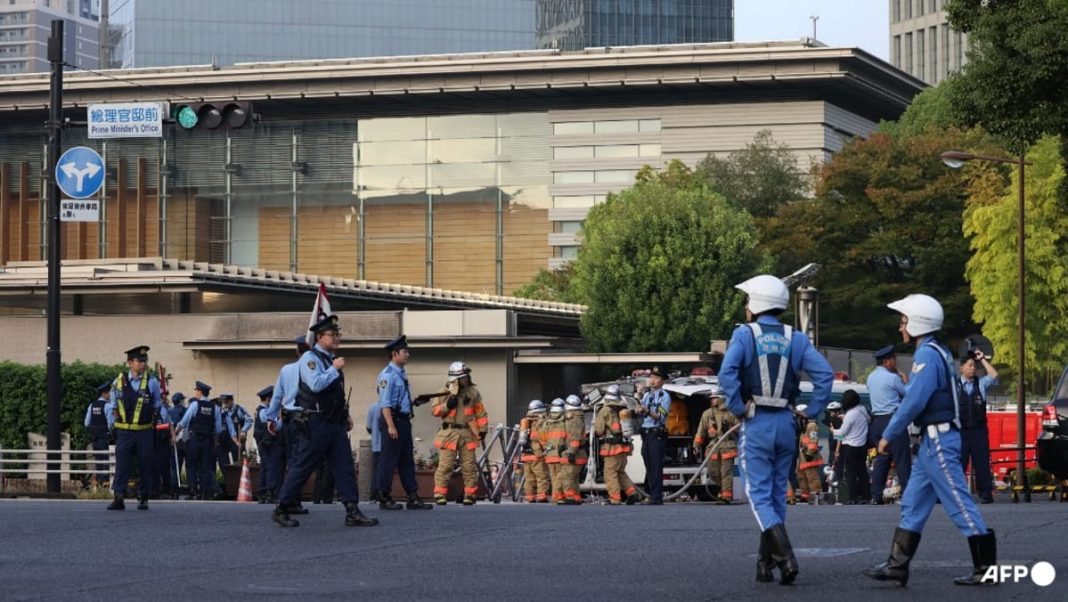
(80, 172)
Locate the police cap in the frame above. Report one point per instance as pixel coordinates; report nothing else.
(265, 392)
(178, 397)
(884, 352)
(202, 387)
(138, 353)
(226, 397)
(327, 324)
(658, 371)
(301, 342)
(103, 387)
(397, 344)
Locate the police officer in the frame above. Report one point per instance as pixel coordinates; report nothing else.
(229, 450)
(463, 425)
(321, 396)
(373, 416)
(615, 446)
(832, 419)
(176, 413)
(284, 406)
(96, 422)
(164, 454)
(203, 420)
(271, 449)
(716, 422)
(576, 453)
(974, 433)
(654, 407)
(811, 462)
(931, 402)
(535, 471)
(554, 439)
(760, 377)
(886, 388)
(395, 403)
(135, 402)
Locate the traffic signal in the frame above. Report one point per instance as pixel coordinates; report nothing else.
(213, 115)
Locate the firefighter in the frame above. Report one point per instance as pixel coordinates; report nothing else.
(576, 451)
(811, 464)
(614, 428)
(554, 438)
(535, 471)
(715, 422)
(463, 425)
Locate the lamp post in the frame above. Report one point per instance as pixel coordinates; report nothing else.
(956, 160)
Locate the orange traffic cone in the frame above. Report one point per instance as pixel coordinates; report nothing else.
(244, 491)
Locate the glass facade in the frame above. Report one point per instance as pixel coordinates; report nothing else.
(150, 33)
(578, 24)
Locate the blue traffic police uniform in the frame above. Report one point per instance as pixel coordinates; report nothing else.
(397, 454)
(132, 413)
(931, 402)
(98, 425)
(284, 402)
(656, 402)
(228, 452)
(203, 420)
(975, 434)
(175, 415)
(753, 369)
(374, 413)
(271, 449)
(886, 390)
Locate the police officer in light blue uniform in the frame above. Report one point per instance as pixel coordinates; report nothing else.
(135, 401)
(176, 413)
(229, 450)
(932, 401)
(272, 450)
(284, 406)
(203, 420)
(760, 377)
(395, 405)
(886, 389)
(974, 433)
(98, 425)
(654, 407)
(321, 397)
(373, 416)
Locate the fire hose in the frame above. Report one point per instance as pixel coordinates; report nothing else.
(700, 469)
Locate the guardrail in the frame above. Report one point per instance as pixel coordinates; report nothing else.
(26, 462)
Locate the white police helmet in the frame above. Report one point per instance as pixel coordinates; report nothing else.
(834, 405)
(612, 393)
(457, 370)
(802, 407)
(536, 407)
(557, 406)
(765, 293)
(573, 402)
(924, 314)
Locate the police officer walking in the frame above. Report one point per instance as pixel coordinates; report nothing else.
(654, 407)
(373, 415)
(886, 388)
(931, 402)
(395, 403)
(96, 422)
(974, 433)
(272, 450)
(203, 420)
(463, 425)
(284, 407)
(321, 397)
(760, 377)
(134, 405)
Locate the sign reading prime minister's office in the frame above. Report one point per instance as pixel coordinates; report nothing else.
(126, 120)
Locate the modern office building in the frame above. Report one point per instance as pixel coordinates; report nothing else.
(25, 26)
(154, 33)
(578, 24)
(464, 172)
(921, 41)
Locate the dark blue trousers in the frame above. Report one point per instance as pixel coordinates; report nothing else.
(272, 466)
(200, 464)
(101, 444)
(164, 454)
(900, 453)
(226, 450)
(127, 445)
(328, 440)
(653, 447)
(396, 455)
(975, 449)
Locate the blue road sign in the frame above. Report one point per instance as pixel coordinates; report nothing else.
(80, 172)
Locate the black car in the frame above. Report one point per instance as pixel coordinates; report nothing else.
(1053, 442)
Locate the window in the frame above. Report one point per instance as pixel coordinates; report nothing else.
(573, 177)
(907, 65)
(895, 8)
(569, 253)
(932, 34)
(897, 52)
(616, 151)
(569, 128)
(573, 152)
(908, 8)
(649, 126)
(649, 150)
(625, 126)
(616, 176)
(574, 202)
(569, 227)
(958, 49)
(919, 8)
(921, 55)
(945, 51)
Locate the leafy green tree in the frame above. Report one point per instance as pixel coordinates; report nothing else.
(759, 178)
(990, 223)
(658, 264)
(550, 285)
(931, 109)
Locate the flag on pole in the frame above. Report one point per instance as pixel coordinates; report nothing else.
(319, 311)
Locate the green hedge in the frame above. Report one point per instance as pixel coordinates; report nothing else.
(23, 408)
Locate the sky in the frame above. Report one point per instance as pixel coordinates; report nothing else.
(863, 23)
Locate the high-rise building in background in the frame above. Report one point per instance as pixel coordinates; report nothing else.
(922, 42)
(157, 33)
(25, 26)
(577, 24)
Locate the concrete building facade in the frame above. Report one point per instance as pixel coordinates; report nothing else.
(921, 41)
(25, 26)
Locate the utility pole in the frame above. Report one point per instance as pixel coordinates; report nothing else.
(54, 385)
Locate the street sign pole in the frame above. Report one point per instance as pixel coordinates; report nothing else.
(54, 385)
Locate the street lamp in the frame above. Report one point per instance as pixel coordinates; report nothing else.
(956, 160)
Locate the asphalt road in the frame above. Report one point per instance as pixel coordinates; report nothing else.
(75, 550)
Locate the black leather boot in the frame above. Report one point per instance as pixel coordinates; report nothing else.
(296, 508)
(764, 573)
(414, 503)
(782, 553)
(142, 503)
(355, 518)
(117, 504)
(386, 503)
(281, 516)
(896, 567)
(984, 549)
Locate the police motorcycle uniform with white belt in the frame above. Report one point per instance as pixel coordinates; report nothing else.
(932, 402)
(760, 379)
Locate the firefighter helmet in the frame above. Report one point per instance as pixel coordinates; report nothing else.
(536, 407)
(458, 370)
(573, 402)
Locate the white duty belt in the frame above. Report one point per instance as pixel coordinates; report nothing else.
(775, 398)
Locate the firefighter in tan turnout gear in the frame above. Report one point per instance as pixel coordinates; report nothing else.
(463, 425)
(811, 463)
(535, 471)
(614, 428)
(554, 439)
(576, 452)
(716, 421)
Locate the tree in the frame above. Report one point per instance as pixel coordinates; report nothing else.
(990, 223)
(886, 222)
(658, 264)
(931, 109)
(550, 285)
(759, 178)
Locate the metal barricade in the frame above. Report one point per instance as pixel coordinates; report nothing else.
(37, 463)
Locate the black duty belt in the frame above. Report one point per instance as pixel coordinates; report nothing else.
(404, 416)
(652, 430)
(450, 425)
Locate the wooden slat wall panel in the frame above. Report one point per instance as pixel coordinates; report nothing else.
(526, 247)
(326, 241)
(465, 246)
(5, 214)
(141, 209)
(188, 225)
(31, 228)
(396, 243)
(23, 223)
(274, 238)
